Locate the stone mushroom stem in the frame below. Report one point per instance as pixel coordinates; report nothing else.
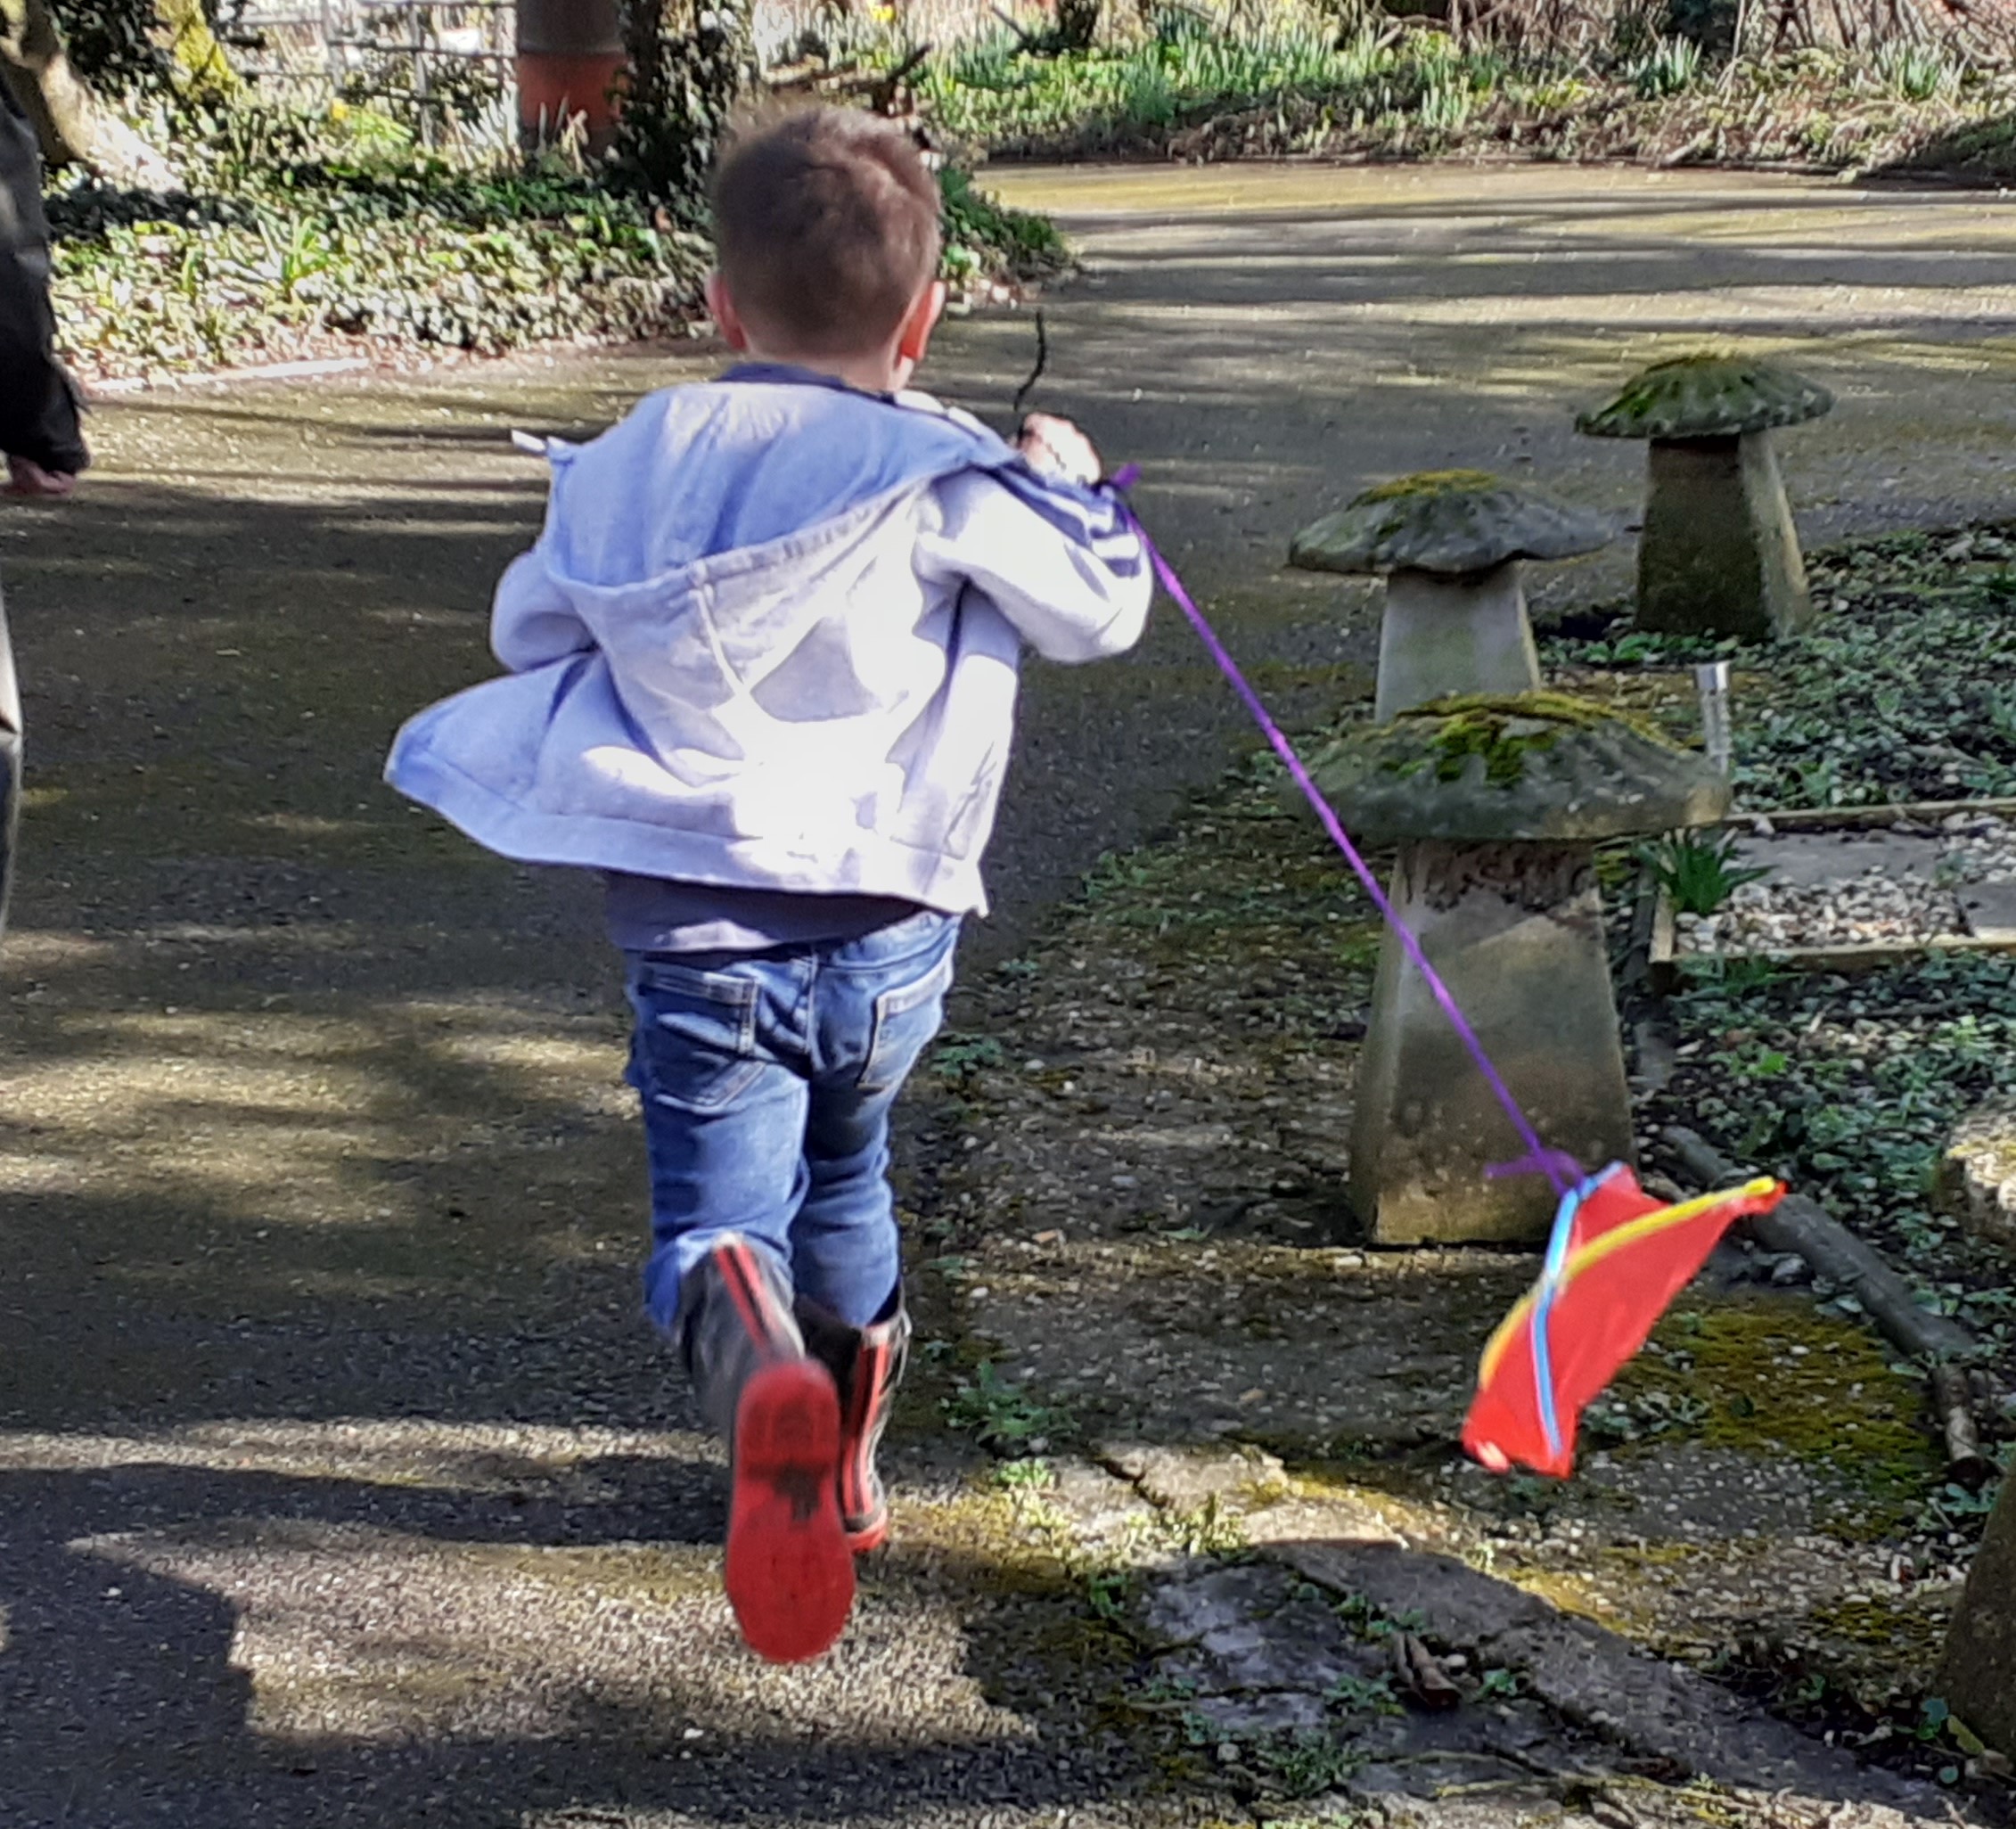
(1516, 931)
(1466, 633)
(1719, 555)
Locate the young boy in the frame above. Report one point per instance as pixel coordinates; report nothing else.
(763, 676)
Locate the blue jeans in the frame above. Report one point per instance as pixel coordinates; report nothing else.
(767, 1080)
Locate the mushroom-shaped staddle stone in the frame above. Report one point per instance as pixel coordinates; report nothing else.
(1531, 768)
(1449, 543)
(1719, 554)
(1496, 805)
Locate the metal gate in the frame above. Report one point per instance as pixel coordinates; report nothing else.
(447, 65)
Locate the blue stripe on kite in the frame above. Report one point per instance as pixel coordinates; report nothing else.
(1549, 1284)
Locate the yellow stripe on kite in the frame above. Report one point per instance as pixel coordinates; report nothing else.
(1585, 1256)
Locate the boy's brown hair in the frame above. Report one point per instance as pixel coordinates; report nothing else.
(825, 229)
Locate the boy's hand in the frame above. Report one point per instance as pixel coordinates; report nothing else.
(1057, 447)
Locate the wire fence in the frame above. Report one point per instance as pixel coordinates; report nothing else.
(448, 64)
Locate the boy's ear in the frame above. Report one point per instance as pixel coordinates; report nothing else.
(721, 307)
(915, 336)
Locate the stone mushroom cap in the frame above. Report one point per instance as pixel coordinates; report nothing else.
(1537, 767)
(1451, 521)
(1707, 396)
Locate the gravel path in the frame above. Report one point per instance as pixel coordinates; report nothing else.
(339, 1483)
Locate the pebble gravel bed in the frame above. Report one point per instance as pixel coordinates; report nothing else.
(1874, 905)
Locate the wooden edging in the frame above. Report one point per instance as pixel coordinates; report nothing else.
(1861, 818)
(1664, 973)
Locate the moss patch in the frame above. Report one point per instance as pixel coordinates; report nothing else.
(1430, 482)
(1504, 731)
(1504, 747)
(1775, 1375)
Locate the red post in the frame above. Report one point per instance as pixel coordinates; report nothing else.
(568, 54)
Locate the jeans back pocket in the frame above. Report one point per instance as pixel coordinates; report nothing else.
(696, 1035)
(906, 1017)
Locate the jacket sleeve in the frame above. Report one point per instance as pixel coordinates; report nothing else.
(38, 408)
(531, 620)
(1060, 562)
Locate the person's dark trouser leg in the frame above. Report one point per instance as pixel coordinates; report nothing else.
(10, 766)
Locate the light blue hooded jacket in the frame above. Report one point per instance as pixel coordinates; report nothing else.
(769, 639)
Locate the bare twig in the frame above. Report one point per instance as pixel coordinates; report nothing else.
(1952, 1404)
(1024, 38)
(1035, 374)
(1421, 1676)
(884, 95)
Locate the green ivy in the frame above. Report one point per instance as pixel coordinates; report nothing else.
(298, 235)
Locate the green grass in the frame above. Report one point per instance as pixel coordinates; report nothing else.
(992, 92)
(1196, 85)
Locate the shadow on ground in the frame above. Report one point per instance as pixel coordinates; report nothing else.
(192, 1644)
(339, 1482)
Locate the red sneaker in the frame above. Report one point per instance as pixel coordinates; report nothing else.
(790, 1573)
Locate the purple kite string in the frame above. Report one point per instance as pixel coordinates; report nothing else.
(1559, 1169)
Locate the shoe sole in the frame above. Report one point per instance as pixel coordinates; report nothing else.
(789, 1572)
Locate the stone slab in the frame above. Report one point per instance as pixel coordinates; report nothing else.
(1990, 908)
(1808, 859)
(1595, 1678)
(1976, 1172)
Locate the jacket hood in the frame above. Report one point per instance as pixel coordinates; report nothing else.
(762, 456)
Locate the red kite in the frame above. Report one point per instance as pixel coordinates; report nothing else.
(1616, 1258)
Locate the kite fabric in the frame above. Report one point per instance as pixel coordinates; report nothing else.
(1616, 1258)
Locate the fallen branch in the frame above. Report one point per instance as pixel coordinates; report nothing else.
(1806, 1229)
(883, 96)
(1702, 141)
(1421, 1674)
(1025, 39)
(1952, 1405)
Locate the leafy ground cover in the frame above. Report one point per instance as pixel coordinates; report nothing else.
(295, 236)
(1902, 689)
(1134, 1149)
(1850, 1088)
(1190, 87)
(1899, 692)
(1130, 1156)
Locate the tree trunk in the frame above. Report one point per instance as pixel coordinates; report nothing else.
(1078, 23)
(1977, 1677)
(72, 124)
